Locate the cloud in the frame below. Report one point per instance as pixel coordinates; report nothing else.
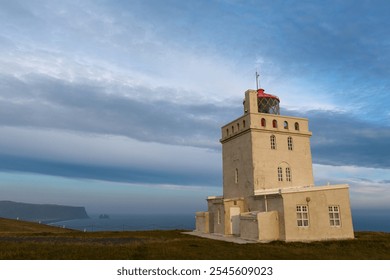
(112, 158)
(369, 187)
(85, 113)
(41, 101)
(340, 138)
(173, 74)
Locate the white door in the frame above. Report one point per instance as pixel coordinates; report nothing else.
(235, 220)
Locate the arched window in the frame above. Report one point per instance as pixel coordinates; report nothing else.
(273, 142)
(243, 123)
(236, 176)
(274, 124)
(227, 131)
(263, 122)
(285, 125)
(296, 126)
(280, 174)
(290, 143)
(288, 174)
(232, 129)
(238, 127)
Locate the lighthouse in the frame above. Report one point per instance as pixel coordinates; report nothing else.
(268, 184)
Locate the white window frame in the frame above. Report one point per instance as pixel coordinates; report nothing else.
(334, 216)
(302, 216)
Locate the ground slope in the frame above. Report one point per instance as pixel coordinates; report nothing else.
(25, 241)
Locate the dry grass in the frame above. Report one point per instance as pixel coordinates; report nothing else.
(27, 241)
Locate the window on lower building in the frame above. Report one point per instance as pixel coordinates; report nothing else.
(302, 216)
(280, 174)
(288, 174)
(273, 142)
(334, 216)
(290, 143)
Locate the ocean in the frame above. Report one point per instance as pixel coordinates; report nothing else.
(371, 220)
(131, 223)
(363, 220)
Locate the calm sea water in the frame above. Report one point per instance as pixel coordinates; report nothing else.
(371, 220)
(131, 222)
(363, 220)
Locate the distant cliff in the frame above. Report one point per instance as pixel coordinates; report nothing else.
(40, 212)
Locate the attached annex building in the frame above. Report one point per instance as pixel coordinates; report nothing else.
(268, 185)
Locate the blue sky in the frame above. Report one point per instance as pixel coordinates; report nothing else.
(117, 105)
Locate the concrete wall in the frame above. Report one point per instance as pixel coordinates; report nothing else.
(275, 203)
(202, 222)
(266, 160)
(237, 162)
(261, 226)
(248, 226)
(318, 199)
(268, 226)
(216, 215)
(246, 147)
(228, 203)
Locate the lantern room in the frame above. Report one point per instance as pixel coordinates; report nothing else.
(267, 103)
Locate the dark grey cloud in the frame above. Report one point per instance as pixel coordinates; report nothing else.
(137, 112)
(340, 138)
(54, 167)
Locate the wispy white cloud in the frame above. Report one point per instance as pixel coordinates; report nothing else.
(369, 187)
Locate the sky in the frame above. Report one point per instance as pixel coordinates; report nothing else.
(117, 105)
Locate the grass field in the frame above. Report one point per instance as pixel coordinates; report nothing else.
(28, 241)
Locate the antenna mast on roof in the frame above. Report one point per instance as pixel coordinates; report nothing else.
(257, 80)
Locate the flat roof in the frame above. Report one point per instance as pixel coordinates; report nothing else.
(300, 189)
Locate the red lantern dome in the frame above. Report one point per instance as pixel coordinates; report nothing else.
(267, 103)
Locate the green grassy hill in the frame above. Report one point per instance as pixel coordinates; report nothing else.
(25, 241)
(8, 226)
